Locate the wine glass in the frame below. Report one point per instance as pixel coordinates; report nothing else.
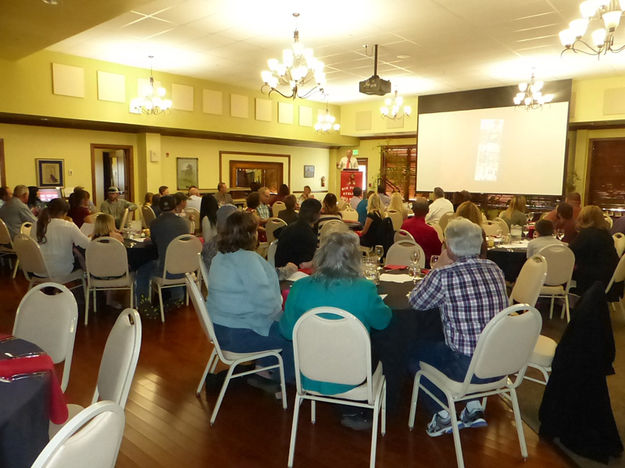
(379, 252)
(415, 256)
(433, 260)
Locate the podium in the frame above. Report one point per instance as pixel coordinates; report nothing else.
(350, 178)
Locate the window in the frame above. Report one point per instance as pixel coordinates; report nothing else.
(399, 169)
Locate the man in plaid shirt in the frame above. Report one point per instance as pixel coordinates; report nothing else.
(468, 293)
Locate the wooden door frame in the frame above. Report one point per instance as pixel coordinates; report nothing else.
(235, 164)
(128, 164)
(3, 171)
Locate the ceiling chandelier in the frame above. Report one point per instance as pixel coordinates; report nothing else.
(326, 122)
(530, 95)
(151, 99)
(394, 108)
(602, 39)
(298, 75)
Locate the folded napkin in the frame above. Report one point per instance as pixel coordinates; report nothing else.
(27, 365)
(395, 267)
(395, 278)
(298, 275)
(308, 271)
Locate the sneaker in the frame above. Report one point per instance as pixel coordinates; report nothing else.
(439, 426)
(473, 418)
(357, 422)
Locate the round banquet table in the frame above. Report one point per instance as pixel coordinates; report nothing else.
(24, 405)
(510, 260)
(139, 252)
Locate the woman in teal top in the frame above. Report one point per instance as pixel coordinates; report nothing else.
(337, 282)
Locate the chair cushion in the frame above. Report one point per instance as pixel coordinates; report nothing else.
(543, 352)
(457, 388)
(552, 290)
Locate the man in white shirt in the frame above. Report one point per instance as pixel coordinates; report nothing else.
(438, 207)
(544, 231)
(194, 200)
(357, 198)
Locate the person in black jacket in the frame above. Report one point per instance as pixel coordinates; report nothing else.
(595, 255)
(298, 241)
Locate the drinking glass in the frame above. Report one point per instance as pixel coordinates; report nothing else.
(415, 256)
(379, 252)
(433, 260)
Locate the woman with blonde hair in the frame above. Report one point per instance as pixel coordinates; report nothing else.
(595, 255)
(397, 204)
(372, 233)
(104, 226)
(515, 213)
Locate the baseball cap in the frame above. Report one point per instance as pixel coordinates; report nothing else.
(113, 189)
(167, 203)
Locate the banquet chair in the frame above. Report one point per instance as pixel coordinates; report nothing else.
(336, 350)
(124, 220)
(504, 347)
(193, 216)
(400, 251)
(403, 235)
(107, 269)
(445, 219)
(91, 438)
(271, 225)
(492, 228)
(505, 230)
(525, 291)
(617, 277)
(327, 226)
(349, 214)
(560, 264)
(609, 220)
(203, 271)
(277, 207)
(181, 257)
(619, 243)
(49, 321)
(439, 231)
(396, 218)
(117, 366)
(229, 358)
(31, 261)
(271, 253)
(26, 227)
(6, 247)
(148, 216)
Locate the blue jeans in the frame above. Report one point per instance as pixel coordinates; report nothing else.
(451, 363)
(244, 340)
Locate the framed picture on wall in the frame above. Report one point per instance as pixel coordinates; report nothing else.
(309, 171)
(186, 173)
(50, 172)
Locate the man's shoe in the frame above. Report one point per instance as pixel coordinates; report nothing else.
(439, 426)
(473, 418)
(357, 422)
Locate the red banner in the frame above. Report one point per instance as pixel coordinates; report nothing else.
(349, 180)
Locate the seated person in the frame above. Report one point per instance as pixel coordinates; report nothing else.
(468, 294)
(289, 215)
(329, 210)
(372, 233)
(565, 222)
(572, 198)
(337, 282)
(244, 298)
(425, 235)
(253, 203)
(543, 237)
(209, 249)
(357, 197)
(306, 194)
(79, 207)
(104, 226)
(208, 216)
(397, 204)
(361, 209)
(56, 237)
(298, 241)
(515, 213)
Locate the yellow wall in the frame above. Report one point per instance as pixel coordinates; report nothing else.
(379, 124)
(589, 97)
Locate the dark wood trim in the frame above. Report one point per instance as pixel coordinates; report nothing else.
(245, 153)
(388, 137)
(58, 122)
(3, 169)
(128, 163)
(591, 141)
(234, 165)
(597, 125)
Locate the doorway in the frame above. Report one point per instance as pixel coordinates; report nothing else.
(111, 165)
(606, 173)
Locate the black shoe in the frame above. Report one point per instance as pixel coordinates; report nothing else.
(357, 422)
(214, 382)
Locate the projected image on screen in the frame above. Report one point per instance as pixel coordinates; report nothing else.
(496, 150)
(489, 149)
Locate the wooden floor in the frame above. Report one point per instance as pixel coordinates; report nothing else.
(166, 425)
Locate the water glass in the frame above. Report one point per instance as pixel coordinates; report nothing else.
(379, 252)
(433, 260)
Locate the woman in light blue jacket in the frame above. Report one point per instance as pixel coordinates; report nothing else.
(244, 298)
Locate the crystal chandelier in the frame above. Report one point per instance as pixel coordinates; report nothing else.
(151, 99)
(530, 95)
(298, 75)
(393, 108)
(602, 39)
(326, 122)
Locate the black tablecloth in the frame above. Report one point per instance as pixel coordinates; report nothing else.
(139, 253)
(24, 416)
(510, 261)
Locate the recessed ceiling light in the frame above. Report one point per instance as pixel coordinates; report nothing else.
(51, 2)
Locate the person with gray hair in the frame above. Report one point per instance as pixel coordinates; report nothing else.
(15, 211)
(439, 206)
(468, 293)
(337, 282)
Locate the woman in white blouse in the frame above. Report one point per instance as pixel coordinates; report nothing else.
(56, 236)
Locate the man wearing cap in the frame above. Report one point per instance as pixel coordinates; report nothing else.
(115, 206)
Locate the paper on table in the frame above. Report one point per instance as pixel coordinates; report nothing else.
(298, 275)
(394, 278)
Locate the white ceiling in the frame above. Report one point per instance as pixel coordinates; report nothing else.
(426, 46)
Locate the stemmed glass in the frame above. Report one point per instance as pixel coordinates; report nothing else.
(415, 256)
(379, 252)
(433, 260)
